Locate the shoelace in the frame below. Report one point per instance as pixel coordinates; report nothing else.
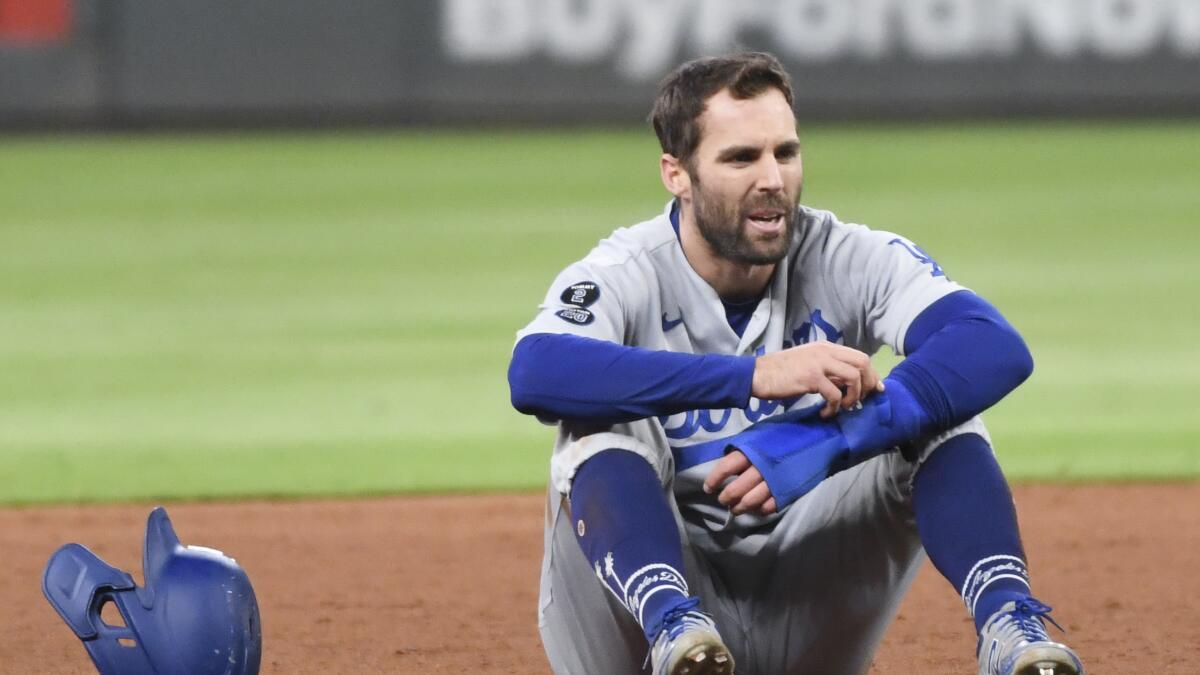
(678, 618)
(1025, 622)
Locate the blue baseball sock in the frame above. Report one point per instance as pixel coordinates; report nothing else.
(626, 529)
(968, 525)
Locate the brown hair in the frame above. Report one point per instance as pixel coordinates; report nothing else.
(683, 93)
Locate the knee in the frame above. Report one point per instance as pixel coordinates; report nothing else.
(964, 463)
(618, 494)
(966, 447)
(611, 467)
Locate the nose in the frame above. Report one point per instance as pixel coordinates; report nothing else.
(771, 177)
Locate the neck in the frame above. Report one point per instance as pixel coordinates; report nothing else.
(732, 280)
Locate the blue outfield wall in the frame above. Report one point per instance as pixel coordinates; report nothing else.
(389, 61)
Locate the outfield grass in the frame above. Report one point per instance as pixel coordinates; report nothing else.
(193, 317)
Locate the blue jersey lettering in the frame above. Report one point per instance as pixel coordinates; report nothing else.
(815, 329)
(921, 256)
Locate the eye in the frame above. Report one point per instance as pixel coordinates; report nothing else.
(741, 156)
(787, 154)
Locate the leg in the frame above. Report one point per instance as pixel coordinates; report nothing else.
(628, 533)
(968, 525)
(584, 628)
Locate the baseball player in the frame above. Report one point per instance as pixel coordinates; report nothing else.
(732, 482)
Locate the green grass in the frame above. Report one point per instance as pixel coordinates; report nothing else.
(216, 316)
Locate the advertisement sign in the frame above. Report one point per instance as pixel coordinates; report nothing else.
(547, 61)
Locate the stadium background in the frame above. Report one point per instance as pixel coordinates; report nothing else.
(260, 250)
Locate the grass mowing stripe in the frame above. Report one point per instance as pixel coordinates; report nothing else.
(230, 315)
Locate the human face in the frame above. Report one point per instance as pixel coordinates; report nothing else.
(746, 177)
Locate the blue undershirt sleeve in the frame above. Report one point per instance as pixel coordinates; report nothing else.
(561, 376)
(963, 357)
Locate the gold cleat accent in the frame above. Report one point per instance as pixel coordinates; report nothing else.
(706, 659)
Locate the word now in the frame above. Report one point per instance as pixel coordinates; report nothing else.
(646, 36)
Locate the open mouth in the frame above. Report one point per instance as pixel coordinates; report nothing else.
(766, 220)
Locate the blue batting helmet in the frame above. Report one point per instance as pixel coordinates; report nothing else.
(196, 615)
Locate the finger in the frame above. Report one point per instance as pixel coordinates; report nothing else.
(717, 477)
(832, 395)
(769, 507)
(739, 487)
(851, 355)
(861, 362)
(871, 380)
(754, 499)
(729, 465)
(849, 376)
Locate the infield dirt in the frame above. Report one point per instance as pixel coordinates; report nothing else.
(448, 584)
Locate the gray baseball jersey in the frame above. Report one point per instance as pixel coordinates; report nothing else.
(839, 282)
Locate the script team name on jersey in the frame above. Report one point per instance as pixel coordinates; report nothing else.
(683, 426)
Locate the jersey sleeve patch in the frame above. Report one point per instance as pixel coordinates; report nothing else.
(576, 315)
(581, 294)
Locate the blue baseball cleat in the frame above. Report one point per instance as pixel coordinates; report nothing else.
(1014, 642)
(689, 644)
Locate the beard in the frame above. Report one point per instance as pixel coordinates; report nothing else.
(723, 226)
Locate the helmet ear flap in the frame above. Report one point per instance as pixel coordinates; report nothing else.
(73, 579)
(78, 584)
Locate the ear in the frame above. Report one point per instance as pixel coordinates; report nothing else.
(674, 176)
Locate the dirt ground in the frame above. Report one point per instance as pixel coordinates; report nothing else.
(448, 584)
